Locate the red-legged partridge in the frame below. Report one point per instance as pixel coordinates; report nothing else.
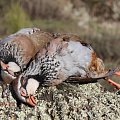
(64, 59)
(17, 50)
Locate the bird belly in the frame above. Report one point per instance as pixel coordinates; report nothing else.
(76, 59)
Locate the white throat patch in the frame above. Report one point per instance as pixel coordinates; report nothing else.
(13, 67)
(32, 86)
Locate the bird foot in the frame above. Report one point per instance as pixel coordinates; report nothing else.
(117, 85)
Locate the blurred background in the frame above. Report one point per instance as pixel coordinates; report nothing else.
(97, 21)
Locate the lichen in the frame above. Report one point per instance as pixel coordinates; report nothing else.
(66, 102)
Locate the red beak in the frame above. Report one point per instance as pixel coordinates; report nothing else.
(3, 65)
(31, 101)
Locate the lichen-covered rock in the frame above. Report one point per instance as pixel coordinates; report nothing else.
(66, 102)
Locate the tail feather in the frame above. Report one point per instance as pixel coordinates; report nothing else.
(105, 77)
(80, 80)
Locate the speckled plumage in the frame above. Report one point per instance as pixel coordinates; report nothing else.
(23, 45)
(64, 58)
(59, 60)
(20, 48)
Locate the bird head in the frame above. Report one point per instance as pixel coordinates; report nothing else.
(9, 71)
(24, 89)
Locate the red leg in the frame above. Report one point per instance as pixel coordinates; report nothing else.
(114, 83)
(117, 73)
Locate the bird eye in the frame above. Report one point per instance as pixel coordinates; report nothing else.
(16, 73)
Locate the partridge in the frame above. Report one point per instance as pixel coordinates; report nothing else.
(63, 59)
(17, 50)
